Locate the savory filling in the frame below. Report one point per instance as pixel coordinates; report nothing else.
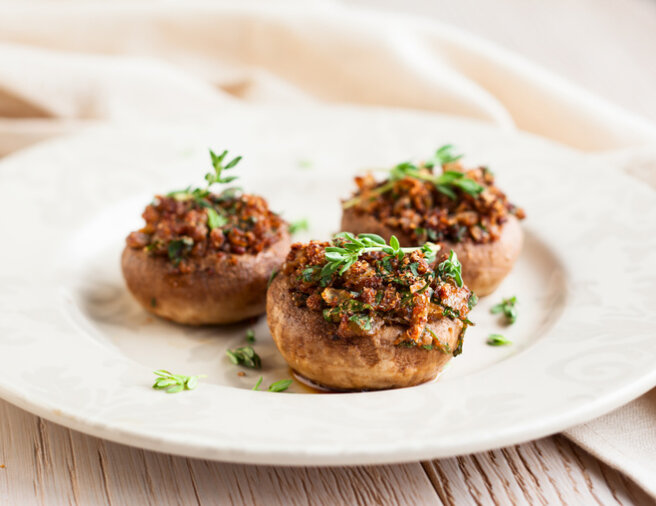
(360, 284)
(189, 225)
(444, 204)
(186, 229)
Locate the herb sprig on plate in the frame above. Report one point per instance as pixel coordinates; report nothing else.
(245, 356)
(507, 307)
(445, 183)
(174, 383)
(498, 340)
(278, 386)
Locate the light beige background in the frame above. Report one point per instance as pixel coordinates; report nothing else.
(606, 46)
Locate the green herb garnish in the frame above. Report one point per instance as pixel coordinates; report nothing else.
(199, 195)
(362, 321)
(216, 177)
(442, 156)
(347, 248)
(217, 163)
(272, 276)
(451, 268)
(445, 183)
(299, 226)
(250, 336)
(473, 300)
(214, 219)
(174, 383)
(280, 386)
(245, 356)
(497, 340)
(507, 307)
(443, 347)
(308, 273)
(178, 249)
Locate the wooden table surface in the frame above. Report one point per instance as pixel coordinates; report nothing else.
(43, 463)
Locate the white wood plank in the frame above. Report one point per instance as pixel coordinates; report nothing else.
(48, 464)
(547, 471)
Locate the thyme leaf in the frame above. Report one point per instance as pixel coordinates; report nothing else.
(452, 268)
(280, 386)
(443, 347)
(473, 300)
(299, 226)
(214, 219)
(272, 276)
(178, 249)
(442, 156)
(363, 321)
(497, 340)
(507, 307)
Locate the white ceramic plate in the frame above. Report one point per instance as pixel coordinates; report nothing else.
(76, 349)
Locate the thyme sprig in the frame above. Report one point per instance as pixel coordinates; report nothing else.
(507, 307)
(217, 163)
(445, 183)
(245, 356)
(215, 177)
(215, 218)
(347, 248)
(174, 383)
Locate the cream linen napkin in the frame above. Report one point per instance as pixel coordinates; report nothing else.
(67, 65)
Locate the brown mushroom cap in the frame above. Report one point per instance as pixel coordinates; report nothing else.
(232, 290)
(311, 347)
(484, 266)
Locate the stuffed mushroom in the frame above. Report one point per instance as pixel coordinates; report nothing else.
(441, 201)
(359, 314)
(204, 257)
